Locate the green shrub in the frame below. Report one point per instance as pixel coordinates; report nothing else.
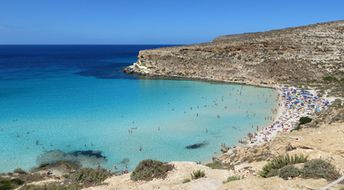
(273, 172)
(232, 178)
(330, 79)
(197, 174)
(6, 183)
(318, 168)
(288, 171)
(90, 176)
(217, 165)
(279, 162)
(304, 120)
(23, 177)
(268, 170)
(150, 169)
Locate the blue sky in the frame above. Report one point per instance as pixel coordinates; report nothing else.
(152, 21)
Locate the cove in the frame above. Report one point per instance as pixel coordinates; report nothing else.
(70, 101)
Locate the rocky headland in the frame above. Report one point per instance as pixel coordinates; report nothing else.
(307, 155)
(292, 55)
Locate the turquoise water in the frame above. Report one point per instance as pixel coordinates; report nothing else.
(123, 117)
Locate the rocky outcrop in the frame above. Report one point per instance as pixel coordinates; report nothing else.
(281, 56)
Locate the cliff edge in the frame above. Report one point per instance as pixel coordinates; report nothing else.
(298, 54)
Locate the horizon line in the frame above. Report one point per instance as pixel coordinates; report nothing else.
(81, 44)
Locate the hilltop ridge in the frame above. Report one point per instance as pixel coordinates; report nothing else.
(298, 54)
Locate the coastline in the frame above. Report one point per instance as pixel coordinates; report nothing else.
(146, 74)
(247, 160)
(281, 109)
(294, 103)
(285, 60)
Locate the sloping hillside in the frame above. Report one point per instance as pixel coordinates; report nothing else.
(299, 54)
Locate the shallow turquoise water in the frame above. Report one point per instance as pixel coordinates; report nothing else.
(120, 116)
(69, 114)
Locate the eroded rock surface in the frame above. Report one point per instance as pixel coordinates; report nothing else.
(281, 56)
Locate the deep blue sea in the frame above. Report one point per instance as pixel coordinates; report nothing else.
(75, 103)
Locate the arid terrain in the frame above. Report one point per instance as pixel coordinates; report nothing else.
(281, 56)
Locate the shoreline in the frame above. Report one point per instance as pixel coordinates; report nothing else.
(284, 120)
(279, 110)
(133, 70)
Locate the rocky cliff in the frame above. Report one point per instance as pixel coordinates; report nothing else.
(298, 54)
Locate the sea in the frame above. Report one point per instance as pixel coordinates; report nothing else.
(74, 103)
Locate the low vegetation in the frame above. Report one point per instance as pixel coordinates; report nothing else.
(283, 166)
(218, 165)
(333, 86)
(197, 174)
(89, 177)
(51, 186)
(288, 172)
(7, 183)
(150, 169)
(18, 178)
(232, 178)
(84, 177)
(330, 79)
(304, 120)
(272, 167)
(318, 168)
(72, 179)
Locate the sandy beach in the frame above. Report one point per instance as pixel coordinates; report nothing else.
(293, 103)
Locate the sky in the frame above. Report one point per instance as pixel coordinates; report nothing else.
(152, 21)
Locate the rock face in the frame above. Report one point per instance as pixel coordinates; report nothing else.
(294, 54)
